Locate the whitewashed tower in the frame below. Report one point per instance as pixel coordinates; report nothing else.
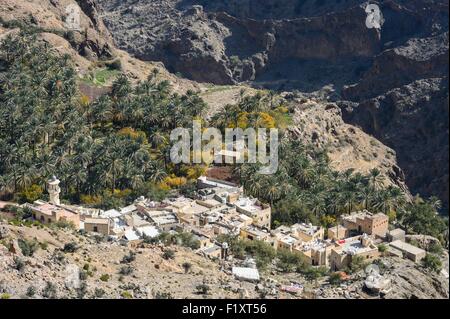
(54, 190)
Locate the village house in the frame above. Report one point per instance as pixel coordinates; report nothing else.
(48, 213)
(316, 252)
(208, 182)
(223, 195)
(338, 232)
(254, 233)
(260, 213)
(409, 251)
(307, 232)
(341, 256)
(364, 222)
(163, 219)
(213, 252)
(98, 225)
(283, 238)
(396, 234)
(284, 241)
(203, 240)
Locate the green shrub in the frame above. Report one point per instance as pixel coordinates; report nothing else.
(314, 273)
(63, 224)
(128, 258)
(28, 247)
(99, 293)
(335, 279)
(19, 264)
(70, 247)
(126, 295)
(104, 277)
(31, 291)
(49, 291)
(435, 248)
(126, 270)
(168, 254)
(382, 248)
(289, 261)
(43, 245)
(357, 263)
(163, 295)
(186, 266)
(116, 65)
(31, 194)
(202, 289)
(83, 275)
(432, 262)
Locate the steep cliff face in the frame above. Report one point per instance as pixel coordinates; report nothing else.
(91, 40)
(273, 43)
(348, 147)
(219, 47)
(413, 120)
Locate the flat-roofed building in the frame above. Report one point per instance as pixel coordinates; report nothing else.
(283, 238)
(148, 230)
(209, 203)
(260, 213)
(48, 213)
(212, 252)
(203, 240)
(208, 182)
(98, 225)
(414, 253)
(229, 196)
(316, 252)
(364, 222)
(223, 195)
(254, 233)
(396, 234)
(341, 256)
(285, 242)
(163, 219)
(337, 232)
(307, 232)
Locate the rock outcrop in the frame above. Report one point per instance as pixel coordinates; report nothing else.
(320, 124)
(413, 120)
(90, 40)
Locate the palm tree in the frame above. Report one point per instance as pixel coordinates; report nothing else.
(121, 87)
(316, 203)
(272, 190)
(158, 139)
(435, 202)
(158, 174)
(365, 195)
(376, 178)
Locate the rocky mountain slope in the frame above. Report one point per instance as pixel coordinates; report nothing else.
(413, 120)
(100, 263)
(348, 146)
(306, 45)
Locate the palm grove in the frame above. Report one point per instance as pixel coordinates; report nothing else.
(108, 151)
